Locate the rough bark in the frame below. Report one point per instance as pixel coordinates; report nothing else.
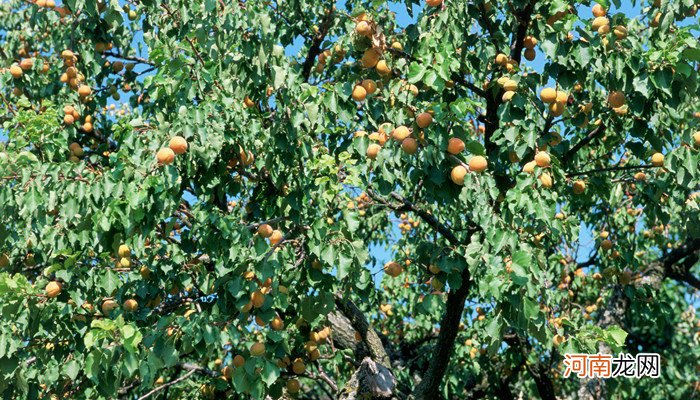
(371, 380)
(429, 387)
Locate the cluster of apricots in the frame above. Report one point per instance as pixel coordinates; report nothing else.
(360, 202)
(73, 77)
(407, 223)
(408, 138)
(166, 155)
(273, 235)
(72, 115)
(76, 152)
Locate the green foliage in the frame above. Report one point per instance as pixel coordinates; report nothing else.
(273, 138)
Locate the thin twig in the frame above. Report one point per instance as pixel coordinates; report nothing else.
(166, 385)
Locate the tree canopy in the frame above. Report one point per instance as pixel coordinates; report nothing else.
(356, 199)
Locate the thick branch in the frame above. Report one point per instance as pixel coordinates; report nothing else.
(523, 18)
(677, 263)
(360, 324)
(598, 131)
(429, 387)
(315, 48)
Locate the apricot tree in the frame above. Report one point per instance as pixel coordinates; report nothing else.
(286, 199)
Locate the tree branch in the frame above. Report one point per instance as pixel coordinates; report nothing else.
(689, 253)
(429, 386)
(523, 18)
(128, 58)
(315, 48)
(430, 219)
(360, 324)
(166, 385)
(599, 130)
(608, 169)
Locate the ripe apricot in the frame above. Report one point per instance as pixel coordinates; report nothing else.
(298, 366)
(548, 95)
(530, 42)
(76, 149)
(657, 19)
(165, 156)
(131, 305)
(579, 187)
(598, 11)
(370, 58)
(238, 361)
(620, 32)
(393, 269)
(293, 386)
(558, 340)
(546, 180)
(400, 133)
(248, 103)
(657, 160)
(107, 306)
(424, 119)
(124, 251)
(178, 145)
(275, 237)
(53, 289)
(16, 71)
(411, 88)
(501, 59)
(26, 64)
(257, 349)
(409, 145)
(373, 150)
(562, 97)
(359, 93)
(265, 230)
(363, 28)
(433, 3)
(556, 109)
(599, 22)
(455, 146)
(542, 159)
(457, 175)
(369, 85)
(616, 99)
(530, 54)
(382, 68)
(257, 298)
(277, 323)
(478, 163)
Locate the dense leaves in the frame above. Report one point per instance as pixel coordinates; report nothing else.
(528, 172)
